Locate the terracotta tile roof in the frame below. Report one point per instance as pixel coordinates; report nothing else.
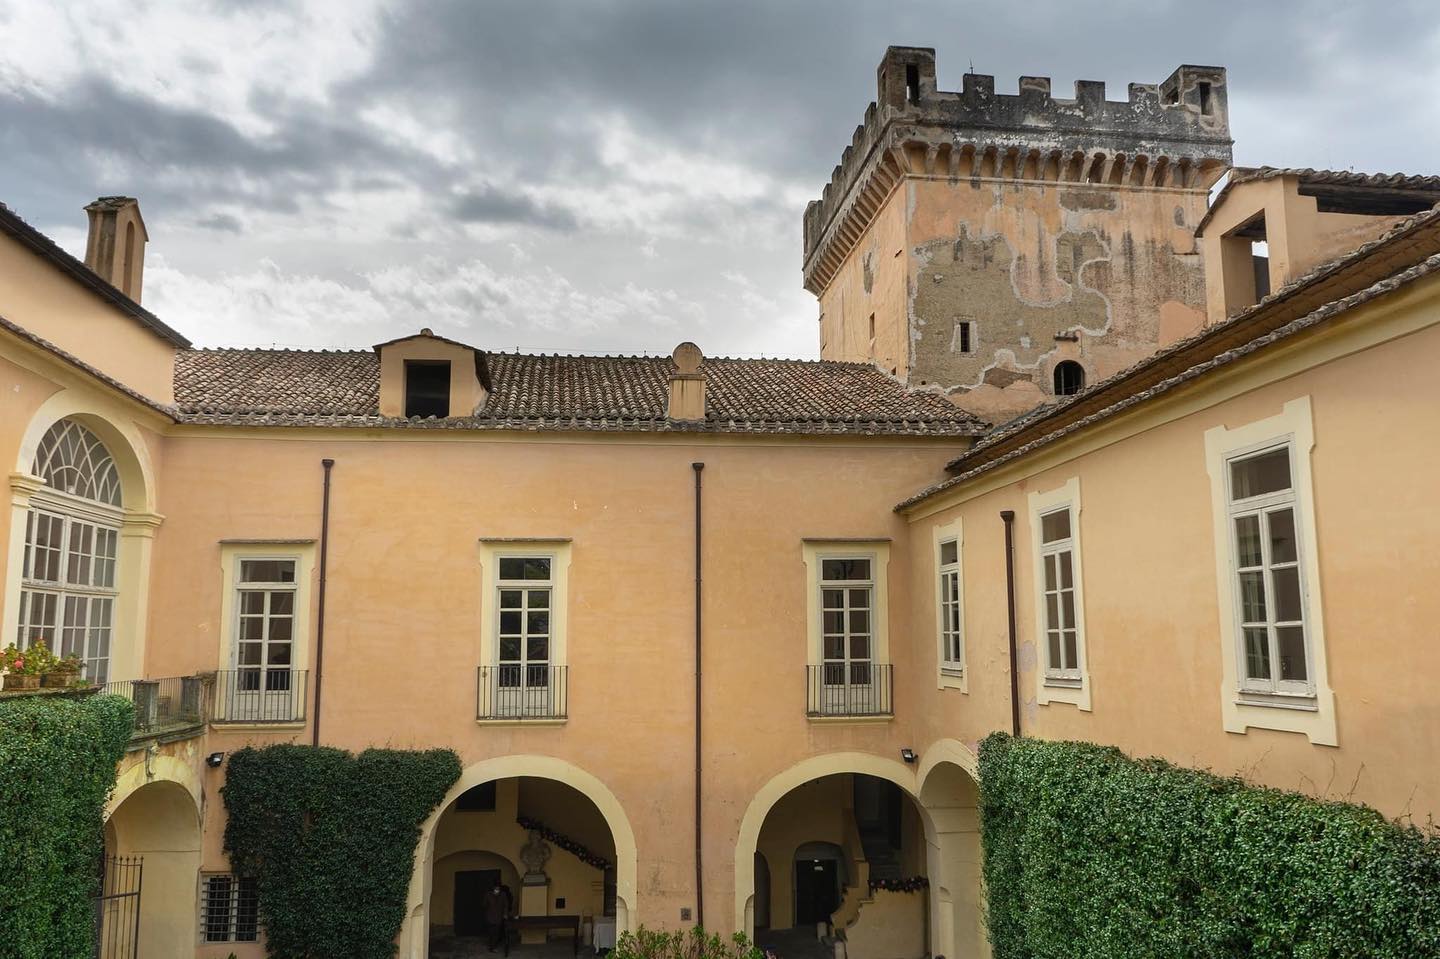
(43, 246)
(551, 392)
(283, 382)
(1422, 186)
(1394, 181)
(1408, 252)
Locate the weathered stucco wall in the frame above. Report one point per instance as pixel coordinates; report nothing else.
(1094, 273)
(872, 282)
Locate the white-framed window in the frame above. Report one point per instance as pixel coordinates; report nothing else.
(229, 908)
(1062, 671)
(524, 603)
(1269, 582)
(265, 589)
(848, 671)
(1057, 592)
(266, 608)
(68, 569)
(951, 609)
(1267, 573)
(522, 672)
(847, 610)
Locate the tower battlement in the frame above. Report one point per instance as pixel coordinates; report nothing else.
(1173, 134)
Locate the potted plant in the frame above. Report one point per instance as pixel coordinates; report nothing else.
(16, 667)
(62, 672)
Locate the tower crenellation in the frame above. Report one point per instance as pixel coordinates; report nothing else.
(1172, 133)
(1037, 231)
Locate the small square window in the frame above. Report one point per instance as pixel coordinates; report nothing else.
(1055, 526)
(1260, 475)
(267, 571)
(845, 570)
(525, 567)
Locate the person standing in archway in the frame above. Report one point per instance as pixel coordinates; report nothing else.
(496, 908)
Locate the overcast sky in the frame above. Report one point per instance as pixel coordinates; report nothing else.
(596, 176)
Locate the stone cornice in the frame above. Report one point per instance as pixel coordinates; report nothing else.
(1171, 135)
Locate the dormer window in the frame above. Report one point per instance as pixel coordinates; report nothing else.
(427, 388)
(425, 375)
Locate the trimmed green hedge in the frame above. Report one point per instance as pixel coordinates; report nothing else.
(58, 756)
(1091, 853)
(330, 839)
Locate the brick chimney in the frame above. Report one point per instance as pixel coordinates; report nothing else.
(115, 248)
(687, 384)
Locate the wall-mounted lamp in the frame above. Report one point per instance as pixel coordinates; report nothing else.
(908, 755)
(215, 759)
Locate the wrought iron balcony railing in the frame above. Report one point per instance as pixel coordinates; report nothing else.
(849, 689)
(521, 692)
(260, 694)
(163, 705)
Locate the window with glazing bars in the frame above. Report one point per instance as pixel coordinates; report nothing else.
(525, 592)
(1057, 562)
(1269, 582)
(265, 633)
(952, 648)
(847, 600)
(229, 909)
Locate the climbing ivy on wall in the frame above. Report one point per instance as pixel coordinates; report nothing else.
(330, 839)
(1091, 853)
(58, 757)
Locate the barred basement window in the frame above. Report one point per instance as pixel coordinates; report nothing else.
(229, 908)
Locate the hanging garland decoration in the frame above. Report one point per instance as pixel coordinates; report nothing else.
(564, 842)
(908, 884)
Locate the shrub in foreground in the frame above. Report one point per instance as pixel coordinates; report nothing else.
(1091, 853)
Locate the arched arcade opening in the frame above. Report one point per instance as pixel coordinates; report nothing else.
(547, 832)
(152, 862)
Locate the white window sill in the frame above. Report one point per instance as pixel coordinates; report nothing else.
(850, 720)
(225, 724)
(522, 721)
(1063, 682)
(956, 671)
(1278, 701)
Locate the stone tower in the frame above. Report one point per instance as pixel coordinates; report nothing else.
(1001, 248)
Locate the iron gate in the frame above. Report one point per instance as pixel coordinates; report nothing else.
(117, 908)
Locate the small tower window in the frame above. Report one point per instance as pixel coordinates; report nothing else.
(963, 340)
(1069, 378)
(1204, 97)
(427, 388)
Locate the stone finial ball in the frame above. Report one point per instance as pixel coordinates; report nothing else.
(687, 357)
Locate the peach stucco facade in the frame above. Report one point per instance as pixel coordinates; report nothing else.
(852, 640)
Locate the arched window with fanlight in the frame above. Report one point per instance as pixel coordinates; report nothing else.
(1069, 378)
(72, 538)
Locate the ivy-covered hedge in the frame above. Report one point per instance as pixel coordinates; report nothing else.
(330, 839)
(1091, 853)
(58, 757)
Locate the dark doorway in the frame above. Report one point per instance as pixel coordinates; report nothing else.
(471, 885)
(817, 890)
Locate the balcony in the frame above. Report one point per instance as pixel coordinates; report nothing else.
(172, 708)
(516, 693)
(260, 695)
(849, 690)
